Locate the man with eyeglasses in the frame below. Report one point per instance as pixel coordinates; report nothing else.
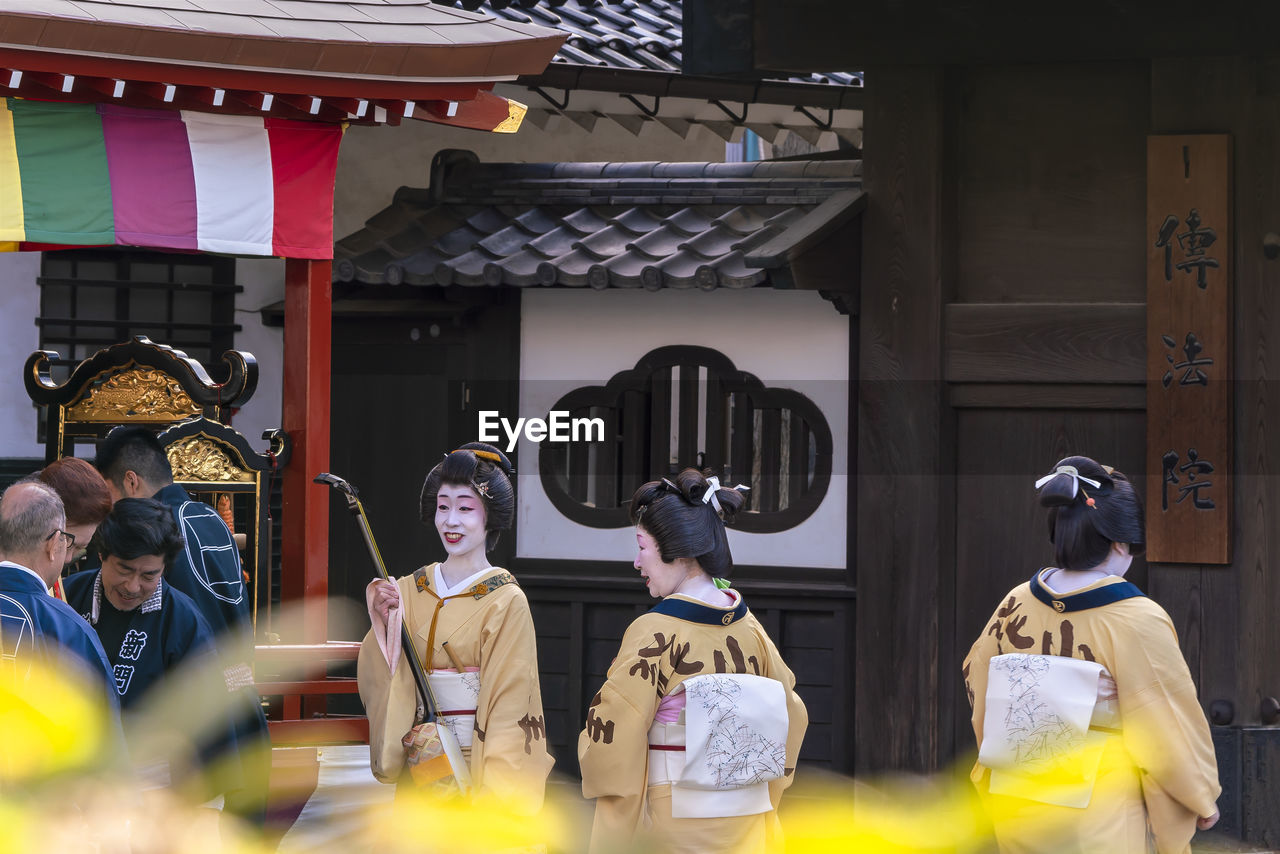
(34, 626)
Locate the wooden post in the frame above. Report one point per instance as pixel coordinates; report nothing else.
(307, 346)
(906, 665)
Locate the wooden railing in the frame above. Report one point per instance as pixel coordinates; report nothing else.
(301, 718)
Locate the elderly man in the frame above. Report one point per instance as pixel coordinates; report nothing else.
(35, 626)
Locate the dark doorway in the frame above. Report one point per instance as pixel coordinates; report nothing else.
(406, 389)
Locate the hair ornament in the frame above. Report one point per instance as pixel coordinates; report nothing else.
(709, 497)
(484, 455)
(1076, 480)
(482, 489)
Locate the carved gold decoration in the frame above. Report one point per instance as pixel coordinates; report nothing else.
(199, 459)
(135, 395)
(515, 115)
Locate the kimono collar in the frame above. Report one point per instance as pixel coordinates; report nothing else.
(153, 602)
(1084, 600)
(28, 570)
(490, 580)
(699, 612)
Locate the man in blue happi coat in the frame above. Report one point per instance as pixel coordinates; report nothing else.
(208, 570)
(147, 627)
(34, 626)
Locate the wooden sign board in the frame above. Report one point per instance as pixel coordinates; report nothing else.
(1189, 326)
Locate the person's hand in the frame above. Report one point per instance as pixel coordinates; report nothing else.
(385, 597)
(1206, 823)
(1106, 688)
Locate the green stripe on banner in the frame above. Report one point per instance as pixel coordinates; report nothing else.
(66, 189)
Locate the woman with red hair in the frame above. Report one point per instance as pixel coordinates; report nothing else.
(87, 501)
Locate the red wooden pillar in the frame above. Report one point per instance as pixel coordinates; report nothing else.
(308, 297)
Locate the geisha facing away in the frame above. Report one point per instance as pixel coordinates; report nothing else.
(494, 706)
(697, 729)
(1089, 732)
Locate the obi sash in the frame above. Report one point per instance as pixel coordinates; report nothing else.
(456, 696)
(1043, 730)
(734, 737)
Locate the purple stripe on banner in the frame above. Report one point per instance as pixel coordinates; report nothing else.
(153, 186)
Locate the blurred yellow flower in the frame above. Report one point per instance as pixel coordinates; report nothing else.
(50, 722)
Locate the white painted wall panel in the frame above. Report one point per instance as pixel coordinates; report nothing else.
(793, 339)
(19, 336)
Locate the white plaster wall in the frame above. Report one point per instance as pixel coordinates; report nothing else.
(263, 283)
(19, 336)
(793, 339)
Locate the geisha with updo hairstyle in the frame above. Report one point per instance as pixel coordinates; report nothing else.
(486, 470)
(472, 630)
(1084, 519)
(664, 700)
(687, 522)
(1080, 656)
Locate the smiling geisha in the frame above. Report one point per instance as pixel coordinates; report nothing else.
(474, 633)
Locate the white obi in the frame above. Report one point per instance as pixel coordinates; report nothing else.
(456, 697)
(734, 735)
(1041, 734)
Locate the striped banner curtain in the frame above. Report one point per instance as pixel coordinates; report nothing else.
(102, 174)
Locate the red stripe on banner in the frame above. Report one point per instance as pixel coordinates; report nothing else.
(679, 747)
(304, 160)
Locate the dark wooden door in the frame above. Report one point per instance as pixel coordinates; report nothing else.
(405, 392)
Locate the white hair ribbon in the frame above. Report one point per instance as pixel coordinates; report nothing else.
(1075, 476)
(709, 497)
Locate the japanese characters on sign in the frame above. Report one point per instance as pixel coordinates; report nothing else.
(1189, 451)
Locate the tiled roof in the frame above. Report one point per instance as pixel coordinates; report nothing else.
(625, 225)
(636, 34)
(381, 38)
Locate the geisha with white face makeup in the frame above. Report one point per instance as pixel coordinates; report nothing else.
(474, 633)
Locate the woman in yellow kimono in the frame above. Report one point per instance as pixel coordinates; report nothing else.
(473, 631)
(1127, 766)
(697, 729)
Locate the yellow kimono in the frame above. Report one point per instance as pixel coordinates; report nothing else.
(1157, 773)
(488, 626)
(658, 652)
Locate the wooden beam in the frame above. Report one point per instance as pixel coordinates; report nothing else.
(309, 733)
(183, 74)
(1046, 342)
(305, 532)
(486, 111)
(819, 35)
(1005, 395)
(906, 667)
(814, 227)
